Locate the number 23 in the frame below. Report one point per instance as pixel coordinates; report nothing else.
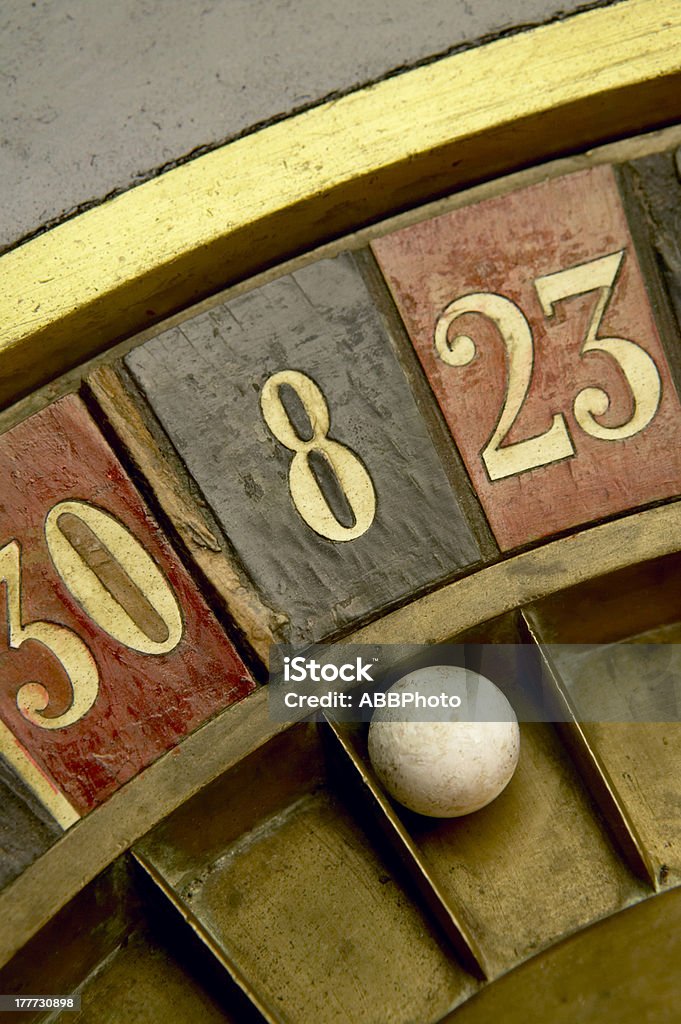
(639, 369)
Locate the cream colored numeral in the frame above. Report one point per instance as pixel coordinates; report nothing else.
(350, 472)
(113, 578)
(553, 444)
(69, 650)
(637, 365)
(117, 584)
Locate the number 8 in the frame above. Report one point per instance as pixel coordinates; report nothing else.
(349, 470)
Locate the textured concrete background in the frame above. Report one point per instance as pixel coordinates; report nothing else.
(97, 95)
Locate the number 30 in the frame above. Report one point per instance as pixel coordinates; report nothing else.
(134, 604)
(639, 369)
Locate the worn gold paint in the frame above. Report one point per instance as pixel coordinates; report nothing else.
(553, 872)
(259, 624)
(66, 646)
(221, 218)
(150, 252)
(294, 850)
(33, 898)
(637, 366)
(622, 969)
(142, 979)
(144, 580)
(349, 470)
(624, 702)
(92, 593)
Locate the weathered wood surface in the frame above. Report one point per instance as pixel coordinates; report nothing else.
(110, 653)
(232, 735)
(186, 519)
(546, 283)
(393, 524)
(654, 185)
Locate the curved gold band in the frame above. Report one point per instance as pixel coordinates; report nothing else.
(122, 266)
(91, 844)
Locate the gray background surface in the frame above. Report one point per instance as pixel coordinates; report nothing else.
(99, 95)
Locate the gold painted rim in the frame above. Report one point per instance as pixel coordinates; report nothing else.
(120, 267)
(150, 252)
(29, 902)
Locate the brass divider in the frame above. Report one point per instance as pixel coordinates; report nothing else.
(90, 845)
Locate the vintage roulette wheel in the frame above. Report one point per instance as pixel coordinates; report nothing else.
(415, 381)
